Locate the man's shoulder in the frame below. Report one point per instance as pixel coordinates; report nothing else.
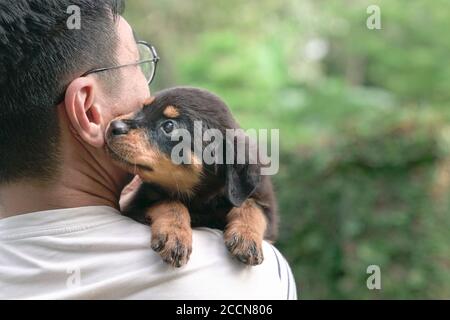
(212, 272)
(114, 259)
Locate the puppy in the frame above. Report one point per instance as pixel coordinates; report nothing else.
(229, 195)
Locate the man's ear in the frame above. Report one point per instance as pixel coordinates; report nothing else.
(241, 181)
(83, 113)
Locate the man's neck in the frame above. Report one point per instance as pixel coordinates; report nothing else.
(79, 191)
(86, 178)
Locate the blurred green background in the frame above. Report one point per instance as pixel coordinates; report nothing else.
(364, 125)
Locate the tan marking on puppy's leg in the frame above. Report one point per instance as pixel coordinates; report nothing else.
(171, 112)
(244, 233)
(171, 232)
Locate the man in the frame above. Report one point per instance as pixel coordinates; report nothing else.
(61, 232)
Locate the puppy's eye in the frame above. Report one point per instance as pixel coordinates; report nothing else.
(168, 126)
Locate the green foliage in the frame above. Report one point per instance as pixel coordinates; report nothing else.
(365, 173)
(372, 197)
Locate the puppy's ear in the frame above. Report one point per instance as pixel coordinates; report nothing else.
(243, 175)
(241, 181)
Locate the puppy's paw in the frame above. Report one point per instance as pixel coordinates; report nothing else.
(171, 232)
(173, 244)
(245, 244)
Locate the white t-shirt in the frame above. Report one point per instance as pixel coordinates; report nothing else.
(96, 253)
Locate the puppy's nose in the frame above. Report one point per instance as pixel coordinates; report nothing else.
(118, 127)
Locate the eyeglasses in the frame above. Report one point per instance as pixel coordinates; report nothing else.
(148, 59)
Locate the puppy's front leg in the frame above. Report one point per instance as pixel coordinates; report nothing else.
(244, 232)
(171, 232)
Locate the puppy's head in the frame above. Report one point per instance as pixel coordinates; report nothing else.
(143, 143)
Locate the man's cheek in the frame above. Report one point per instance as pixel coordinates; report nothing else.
(143, 90)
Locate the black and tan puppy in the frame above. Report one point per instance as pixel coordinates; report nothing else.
(231, 197)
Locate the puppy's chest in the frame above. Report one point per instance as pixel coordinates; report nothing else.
(207, 209)
(208, 212)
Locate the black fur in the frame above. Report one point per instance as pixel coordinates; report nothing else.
(223, 186)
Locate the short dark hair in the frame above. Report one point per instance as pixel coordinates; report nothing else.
(39, 56)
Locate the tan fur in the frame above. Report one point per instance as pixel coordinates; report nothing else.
(171, 232)
(133, 149)
(171, 112)
(135, 153)
(244, 232)
(179, 178)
